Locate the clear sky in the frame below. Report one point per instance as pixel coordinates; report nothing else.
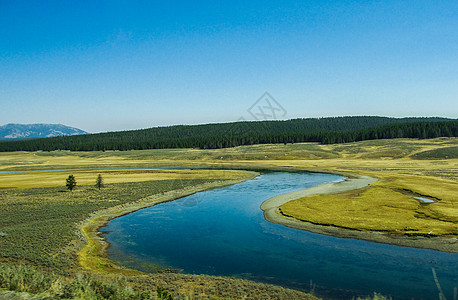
(117, 65)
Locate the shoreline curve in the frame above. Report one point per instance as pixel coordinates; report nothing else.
(272, 213)
(93, 255)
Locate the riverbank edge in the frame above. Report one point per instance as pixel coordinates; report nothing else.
(93, 256)
(273, 214)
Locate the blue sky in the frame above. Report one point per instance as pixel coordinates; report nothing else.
(117, 65)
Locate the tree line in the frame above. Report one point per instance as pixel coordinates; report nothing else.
(223, 135)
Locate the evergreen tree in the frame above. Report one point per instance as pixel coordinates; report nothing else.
(71, 182)
(223, 135)
(99, 182)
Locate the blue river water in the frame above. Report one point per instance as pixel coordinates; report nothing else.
(223, 232)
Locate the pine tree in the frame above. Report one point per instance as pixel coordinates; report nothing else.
(99, 182)
(71, 182)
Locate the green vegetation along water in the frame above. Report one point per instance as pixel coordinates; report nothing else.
(223, 232)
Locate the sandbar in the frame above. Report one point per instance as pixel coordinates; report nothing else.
(272, 213)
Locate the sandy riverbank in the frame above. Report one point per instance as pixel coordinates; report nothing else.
(93, 256)
(272, 213)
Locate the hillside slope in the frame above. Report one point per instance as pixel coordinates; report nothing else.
(27, 131)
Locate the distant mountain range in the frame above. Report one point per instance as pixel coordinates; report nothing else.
(30, 131)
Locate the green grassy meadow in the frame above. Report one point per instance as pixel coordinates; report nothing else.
(40, 221)
(40, 224)
(41, 242)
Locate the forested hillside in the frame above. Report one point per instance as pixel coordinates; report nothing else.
(209, 136)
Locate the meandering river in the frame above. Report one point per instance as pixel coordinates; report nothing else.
(223, 232)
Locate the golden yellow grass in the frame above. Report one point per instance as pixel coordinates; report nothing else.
(88, 177)
(92, 256)
(379, 150)
(46, 215)
(392, 161)
(373, 209)
(379, 207)
(382, 206)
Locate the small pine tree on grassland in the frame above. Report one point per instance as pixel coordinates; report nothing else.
(71, 182)
(99, 182)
